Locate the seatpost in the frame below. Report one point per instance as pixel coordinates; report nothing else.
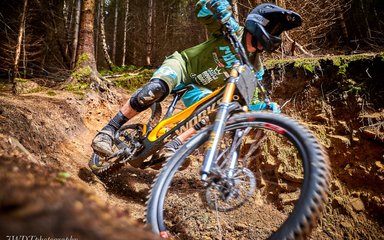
(172, 107)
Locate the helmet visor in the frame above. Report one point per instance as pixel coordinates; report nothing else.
(269, 42)
(256, 24)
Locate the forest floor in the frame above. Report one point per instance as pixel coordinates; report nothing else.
(48, 191)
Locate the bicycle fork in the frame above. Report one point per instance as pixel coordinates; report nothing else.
(225, 107)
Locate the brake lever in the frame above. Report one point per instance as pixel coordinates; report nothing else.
(239, 48)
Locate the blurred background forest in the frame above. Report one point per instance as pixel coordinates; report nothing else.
(40, 38)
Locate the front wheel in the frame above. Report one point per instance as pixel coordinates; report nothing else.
(276, 190)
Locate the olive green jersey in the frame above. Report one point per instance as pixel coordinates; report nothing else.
(209, 63)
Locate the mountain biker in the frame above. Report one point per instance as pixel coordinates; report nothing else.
(206, 65)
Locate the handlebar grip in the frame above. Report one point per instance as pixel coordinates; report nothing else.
(221, 10)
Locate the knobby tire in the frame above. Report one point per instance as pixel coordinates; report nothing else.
(313, 190)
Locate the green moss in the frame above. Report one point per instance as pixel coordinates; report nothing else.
(83, 58)
(121, 69)
(22, 80)
(25, 86)
(308, 64)
(36, 90)
(63, 177)
(381, 55)
(104, 72)
(81, 73)
(341, 63)
(352, 88)
(131, 83)
(118, 70)
(51, 93)
(146, 72)
(77, 86)
(5, 87)
(273, 63)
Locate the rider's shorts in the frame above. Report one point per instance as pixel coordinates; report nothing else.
(173, 70)
(194, 95)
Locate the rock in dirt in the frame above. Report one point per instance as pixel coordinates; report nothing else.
(357, 204)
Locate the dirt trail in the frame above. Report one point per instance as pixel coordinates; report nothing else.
(48, 190)
(45, 146)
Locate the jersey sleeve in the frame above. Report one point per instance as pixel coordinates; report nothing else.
(214, 27)
(205, 16)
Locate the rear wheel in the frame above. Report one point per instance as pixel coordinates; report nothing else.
(276, 191)
(128, 137)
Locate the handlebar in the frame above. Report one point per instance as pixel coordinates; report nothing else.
(239, 48)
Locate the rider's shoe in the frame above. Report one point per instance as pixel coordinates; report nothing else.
(102, 143)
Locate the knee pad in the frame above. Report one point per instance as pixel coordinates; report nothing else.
(155, 91)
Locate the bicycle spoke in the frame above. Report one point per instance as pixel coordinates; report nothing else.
(253, 199)
(224, 201)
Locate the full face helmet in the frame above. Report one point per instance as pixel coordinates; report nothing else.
(267, 21)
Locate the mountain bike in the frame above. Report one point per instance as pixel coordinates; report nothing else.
(242, 163)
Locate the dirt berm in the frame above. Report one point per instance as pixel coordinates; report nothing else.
(46, 189)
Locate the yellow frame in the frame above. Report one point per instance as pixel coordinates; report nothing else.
(153, 135)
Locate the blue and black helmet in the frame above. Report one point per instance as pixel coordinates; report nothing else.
(267, 21)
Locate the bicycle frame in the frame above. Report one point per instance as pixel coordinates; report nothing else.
(175, 125)
(182, 121)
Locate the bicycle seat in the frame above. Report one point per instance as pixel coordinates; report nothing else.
(181, 90)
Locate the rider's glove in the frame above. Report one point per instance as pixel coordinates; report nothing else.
(274, 107)
(221, 9)
(259, 75)
(263, 106)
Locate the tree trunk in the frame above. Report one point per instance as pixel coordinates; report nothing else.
(86, 69)
(76, 33)
(366, 19)
(166, 24)
(97, 32)
(125, 31)
(379, 21)
(235, 10)
(149, 32)
(20, 40)
(62, 49)
(134, 37)
(103, 38)
(115, 32)
(343, 25)
(67, 9)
